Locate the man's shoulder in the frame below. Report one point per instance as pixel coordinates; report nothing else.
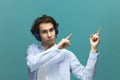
(67, 51)
(69, 54)
(33, 46)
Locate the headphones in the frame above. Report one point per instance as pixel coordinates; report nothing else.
(37, 35)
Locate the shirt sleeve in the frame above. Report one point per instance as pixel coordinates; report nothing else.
(35, 60)
(85, 72)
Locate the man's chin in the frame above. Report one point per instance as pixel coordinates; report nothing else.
(51, 42)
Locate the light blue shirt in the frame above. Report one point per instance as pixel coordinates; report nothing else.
(58, 64)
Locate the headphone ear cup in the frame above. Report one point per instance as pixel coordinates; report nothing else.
(56, 31)
(37, 36)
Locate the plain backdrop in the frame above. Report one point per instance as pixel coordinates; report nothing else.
(79, 17)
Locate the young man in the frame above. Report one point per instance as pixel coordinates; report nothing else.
(50, 61)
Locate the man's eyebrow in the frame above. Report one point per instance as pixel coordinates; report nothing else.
(52, 28)
(43, 30)
(46, 30)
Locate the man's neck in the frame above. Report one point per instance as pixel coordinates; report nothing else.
(47, 46)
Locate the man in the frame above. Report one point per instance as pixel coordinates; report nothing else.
(50, 61)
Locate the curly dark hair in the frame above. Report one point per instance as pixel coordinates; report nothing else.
(44, 19)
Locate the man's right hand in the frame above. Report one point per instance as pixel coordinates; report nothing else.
(65, 42)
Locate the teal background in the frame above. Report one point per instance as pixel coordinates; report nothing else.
(79, 17)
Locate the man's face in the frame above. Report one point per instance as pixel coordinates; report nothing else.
(47, 34)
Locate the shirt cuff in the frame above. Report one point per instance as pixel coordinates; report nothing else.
(94, 54)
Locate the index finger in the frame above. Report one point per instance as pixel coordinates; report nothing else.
(68, 37)
(99, 31)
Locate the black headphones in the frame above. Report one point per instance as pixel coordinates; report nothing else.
(37, 35)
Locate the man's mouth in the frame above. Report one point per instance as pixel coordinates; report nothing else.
(50, 40)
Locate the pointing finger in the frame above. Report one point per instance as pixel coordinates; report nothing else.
(99, 31)
(68, 37)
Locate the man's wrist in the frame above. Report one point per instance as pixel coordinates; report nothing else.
(94, 49)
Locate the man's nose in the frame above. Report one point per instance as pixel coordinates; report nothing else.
(49, 34)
